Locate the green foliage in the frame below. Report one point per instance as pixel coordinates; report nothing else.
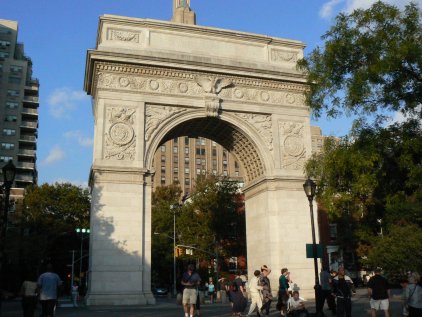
(400, 250)
(376, 175)
(372, 61)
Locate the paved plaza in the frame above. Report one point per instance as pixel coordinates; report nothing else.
(168, 308)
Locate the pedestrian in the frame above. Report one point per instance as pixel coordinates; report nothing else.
(343, 288)
(378, 292)
(283, 291)
(75, 293)
(296, 306)
(211, 290)
(29, 293)
(267, 297)
(190, 281)
(48, 284)
(326, 292)
(403, 283)
(239, 301)
(255, 291)
(413, 295)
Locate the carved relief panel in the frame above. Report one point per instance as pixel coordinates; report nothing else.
(292, 146)
(263, 124)
(120, 137)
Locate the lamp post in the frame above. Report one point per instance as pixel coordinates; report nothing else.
(310, 188)
(81, 231)
(9, 172)
(173, 209)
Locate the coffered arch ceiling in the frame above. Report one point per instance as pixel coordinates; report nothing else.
(227, 135)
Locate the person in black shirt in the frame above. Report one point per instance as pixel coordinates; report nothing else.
(378, 292)
(343, 288)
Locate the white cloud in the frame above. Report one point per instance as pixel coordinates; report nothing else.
(63, 100)
(399, 117)
(55, 154)
(327, 10)
(82, 140)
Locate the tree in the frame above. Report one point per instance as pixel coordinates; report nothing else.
(46, 228)
(371, 62)
(374, 175)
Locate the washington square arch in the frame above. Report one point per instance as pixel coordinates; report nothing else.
(154, 80)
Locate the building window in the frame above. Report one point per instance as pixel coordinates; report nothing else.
(333, 231)
(163, 148)
(204, 172)
(11, 105)
(187, 170)
(10, 118)
(6, 158)
(175, 140)
(186, 140)
(200, 151)
(4, 54)
(175, 179)
(225, 154)
(15, 69)
(12, 93)
(214, 152)
(9, 132)
(214, 162)
(163, 180)
(198, 171)
(236, 164)
(1, 67)
(163, 169)
(186, 160)
(225, 162)
(187, 181)
(214, 172)
(175, 149)
(163, 158)
(175, 159)
(4, 44)
(203, 162)
(236, 173)
(14, 80)
(214, 143)
(198, 161)
(225, 173)
(186, 150)
(175, 170)
(7, 146)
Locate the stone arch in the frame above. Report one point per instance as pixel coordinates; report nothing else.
(232, 132)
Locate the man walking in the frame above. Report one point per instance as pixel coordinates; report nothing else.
(190, 281)
(48, 283)
(378, 292)
(342, 288)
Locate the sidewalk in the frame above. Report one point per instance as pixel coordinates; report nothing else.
(169, 308)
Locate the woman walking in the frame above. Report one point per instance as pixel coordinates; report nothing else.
(267, 297)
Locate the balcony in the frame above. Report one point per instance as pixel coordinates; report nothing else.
(32, 86)
(30, 111)
(24, 178)
(31, 99)
(25, 165)
(30, 153)
(29, 125)
(28, 138)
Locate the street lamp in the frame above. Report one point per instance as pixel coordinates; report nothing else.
(81, 231)
(173, 209)
(9, 172)
(310, 188)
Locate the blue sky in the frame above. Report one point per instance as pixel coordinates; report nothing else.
(57, 34)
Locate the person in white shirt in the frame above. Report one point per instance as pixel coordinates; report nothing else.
(296, 306)
(255, 290)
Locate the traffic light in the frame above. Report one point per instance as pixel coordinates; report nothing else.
(178, 251)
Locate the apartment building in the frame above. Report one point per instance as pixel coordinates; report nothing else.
(183, 159)
(19, 103)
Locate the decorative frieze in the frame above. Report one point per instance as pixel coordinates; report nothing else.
(156, 115)
(262, 123)
(283, 56)
(123, 35)
(154, 80)
(120, 138)
(293, 153)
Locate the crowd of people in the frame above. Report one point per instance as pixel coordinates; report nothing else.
(336, 289)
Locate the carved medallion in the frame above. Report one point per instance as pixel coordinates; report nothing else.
(293, 147)
(120, 138)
